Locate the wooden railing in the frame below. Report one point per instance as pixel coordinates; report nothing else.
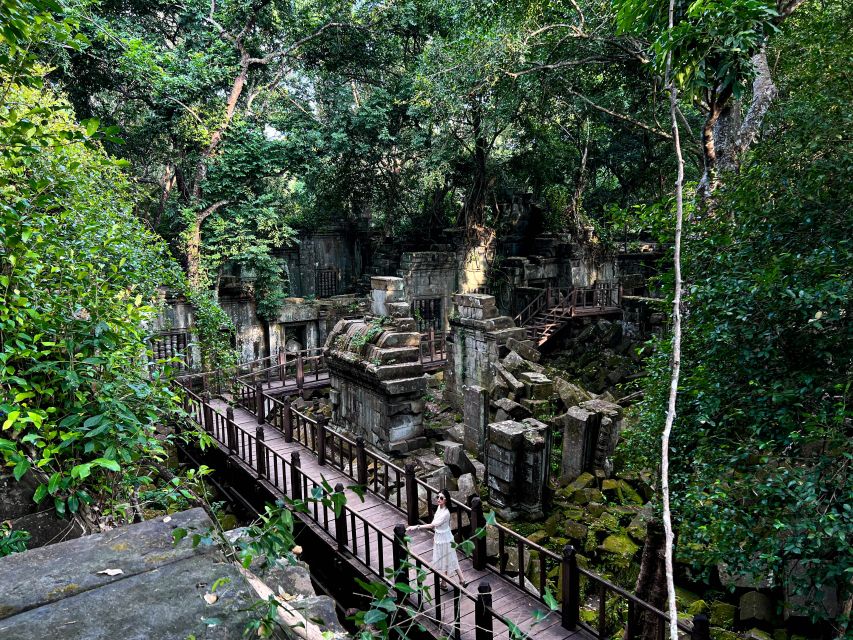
(398, 486)
(352, 533)
(529, 312)
(433, 348)
(305, 366)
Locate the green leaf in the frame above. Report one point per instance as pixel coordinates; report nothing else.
(10, 419)
(21, 468)
(53, 483)
(91, 125)
(112, 465)
(178, 534)
(374, 616)
(40, 494)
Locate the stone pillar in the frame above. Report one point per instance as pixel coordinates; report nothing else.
(475, 416)
(590, 433)
(608, 433)
(377, 379)
(477, 333)
(388, 296)
(517, 467)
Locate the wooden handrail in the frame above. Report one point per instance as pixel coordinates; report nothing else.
(212, 421)
(539, 302)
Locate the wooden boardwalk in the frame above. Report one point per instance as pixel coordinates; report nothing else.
(368, 534)
(302, 458)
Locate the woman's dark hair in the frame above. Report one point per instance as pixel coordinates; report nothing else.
(447, 504)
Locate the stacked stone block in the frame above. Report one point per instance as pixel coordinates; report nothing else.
(517, 467)
(477, 333)
(590, 432)
(377, 379)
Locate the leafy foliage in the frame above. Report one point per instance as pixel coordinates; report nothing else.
(762, 442)
(12, 540)
(79, 278)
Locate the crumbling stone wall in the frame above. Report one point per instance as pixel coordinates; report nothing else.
(377, 379)
(517, 467)
(478, 333)
(590, 433)
(431, 274)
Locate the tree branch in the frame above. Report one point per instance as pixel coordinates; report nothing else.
(286, 52)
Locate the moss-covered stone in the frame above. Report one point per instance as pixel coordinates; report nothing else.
(620, 549)
(640, 522)
(606, 523)
(595, 509)
(699, 606)
(575, 531)
(618, 490)
(757, 634)
(552, 524)
(722, 614)
(590, 543)
(684, 598)
(537, 536)
(585, 496)
(573, 513)
(722, 634)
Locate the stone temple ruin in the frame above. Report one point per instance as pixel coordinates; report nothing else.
(376, 374)
(383, 318)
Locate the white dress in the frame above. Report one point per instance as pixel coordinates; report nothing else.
(443, 554)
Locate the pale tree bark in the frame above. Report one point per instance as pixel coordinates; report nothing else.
(726, 135)
(676, 344)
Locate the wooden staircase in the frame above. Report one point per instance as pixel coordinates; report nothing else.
(555, 308)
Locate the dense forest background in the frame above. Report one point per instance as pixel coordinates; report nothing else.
(147, 143)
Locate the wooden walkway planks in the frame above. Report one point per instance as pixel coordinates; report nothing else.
(370, 541)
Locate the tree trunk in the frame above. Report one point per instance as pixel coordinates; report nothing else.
(651, 583)
(726, 137)
(193, 250)
(476, 201)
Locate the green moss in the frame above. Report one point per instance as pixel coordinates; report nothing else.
(723, 634)
(722, 614)
(700, 606)
(620, 548)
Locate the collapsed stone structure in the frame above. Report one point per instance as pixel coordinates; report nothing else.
(506, 399)
(517, 467)
(376, 375)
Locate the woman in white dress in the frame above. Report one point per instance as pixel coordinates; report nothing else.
(443, 554)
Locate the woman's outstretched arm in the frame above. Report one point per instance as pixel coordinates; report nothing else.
(436, 520)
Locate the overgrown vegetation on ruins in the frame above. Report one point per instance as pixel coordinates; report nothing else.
(148, 144)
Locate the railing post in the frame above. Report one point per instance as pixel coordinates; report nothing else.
(260, 457)
(412, 515)
(230, 429)
(341, 522)
(571, 588)
(259, 402)
(701, 627)
(431, 344)
(321, 439)
(398, 548)
(295, 480)
(300, 372)
(483, 612)
(361, 461)
(282, 365)
(478, 522)
(207, 412)
(287, 421)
